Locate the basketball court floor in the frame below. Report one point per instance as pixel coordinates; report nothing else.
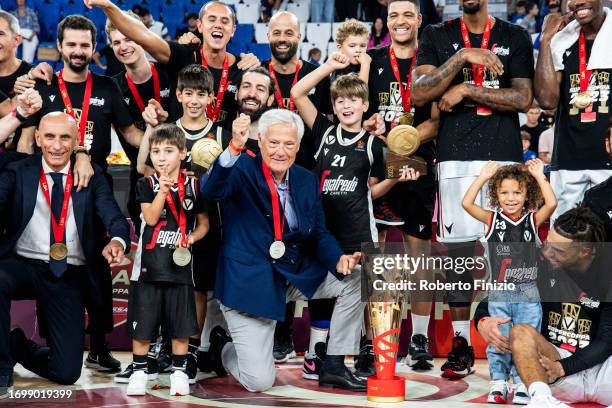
(423, 389)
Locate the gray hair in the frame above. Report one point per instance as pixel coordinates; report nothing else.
(12, 22)
(280, 117)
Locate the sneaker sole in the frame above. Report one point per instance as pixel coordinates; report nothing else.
(327, 385)
(521, 400)
(391, 223)
(496, 399)
(286, 358)
(309, 376)
(454, 374)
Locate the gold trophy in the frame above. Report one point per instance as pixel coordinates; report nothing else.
(402, 142)
(203, 154)
(385, 319)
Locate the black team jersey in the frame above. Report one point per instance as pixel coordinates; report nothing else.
(106, 108)
(7, 83)
(319, 96)
(599, 199)
(386, 98)
(580, 133)
(153, 261)
(146, 92)
(183, 55)
(464, 135)
(345, 162)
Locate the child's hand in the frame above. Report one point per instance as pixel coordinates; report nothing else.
(489, 169)
(154, 114)
(337, 61)
(535, 167)
(364, 58)
(165, 183)
(187, 244)
(408, 174)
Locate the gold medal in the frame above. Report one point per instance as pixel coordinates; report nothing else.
(277, 249)
(406, 118)
(181, 256)
(582, 100)
(58, 251)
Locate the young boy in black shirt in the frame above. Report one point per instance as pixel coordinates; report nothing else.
(174, 218)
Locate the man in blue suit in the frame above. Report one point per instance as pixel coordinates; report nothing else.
(276, 249)
(48, 250)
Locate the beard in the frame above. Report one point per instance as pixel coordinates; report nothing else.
(76, 68)
(253, 114)
(471, 9)
(284, 57)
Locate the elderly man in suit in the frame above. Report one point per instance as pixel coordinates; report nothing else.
(276, 249)
(48, 250)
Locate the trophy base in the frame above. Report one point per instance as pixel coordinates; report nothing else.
(395, 162)
(393, 390)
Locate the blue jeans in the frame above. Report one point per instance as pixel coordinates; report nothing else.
(521, 312)
(322, 11)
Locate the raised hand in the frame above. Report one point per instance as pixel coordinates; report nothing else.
(337, 60)
(189, 38)
(165, 182)
(154, 113)
(248, 61)
(29, 102)
(489, 169)
(375, 125)
(96, 3)
(553, 23)
(535, 167)
(240, 130)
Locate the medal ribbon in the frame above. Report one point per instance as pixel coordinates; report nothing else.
(58, 227)
(279, 96)
(585, 75)
(179, 215)
(134, 90)
(214, 113)
(477, 70)
(404, 91)
(279, 225)
(68, 104)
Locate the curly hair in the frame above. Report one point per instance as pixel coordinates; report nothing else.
(580, 224)
(519, 173)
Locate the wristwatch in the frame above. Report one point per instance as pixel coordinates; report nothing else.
(81, 149)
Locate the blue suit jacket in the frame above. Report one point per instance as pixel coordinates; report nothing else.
(18, 189)
(248, 279)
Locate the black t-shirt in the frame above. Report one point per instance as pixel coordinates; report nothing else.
(319, 97)
(535, 133)
(146, 92)
(464, 135)
(599, 199)
(157, 243)
(7, 83)
(580, 145)
(386, 98)
(183, 55)
(345, 162)
(106, 108)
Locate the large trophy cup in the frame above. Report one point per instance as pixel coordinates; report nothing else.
(203, 154)
(402, 142)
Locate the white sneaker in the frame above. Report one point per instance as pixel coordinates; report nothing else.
(179, 383)
(498, 392)
(138, 383)
(521, 395)
(546, 401)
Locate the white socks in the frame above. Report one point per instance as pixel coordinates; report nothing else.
(539, 388)
(317, 336)
(462, 328)
(420, 324)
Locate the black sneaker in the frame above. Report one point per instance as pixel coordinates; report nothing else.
(460, 360)
(364, 363)
(6, 385)
(283, 348)
(313, 362)
(103, 361)
(384, 215)
(164, 358)
(419, 357)
(124, 376)
(192, 368)
(218, 339)
(204, 363)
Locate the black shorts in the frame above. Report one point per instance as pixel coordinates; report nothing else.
(152, 302)
(414, 203)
